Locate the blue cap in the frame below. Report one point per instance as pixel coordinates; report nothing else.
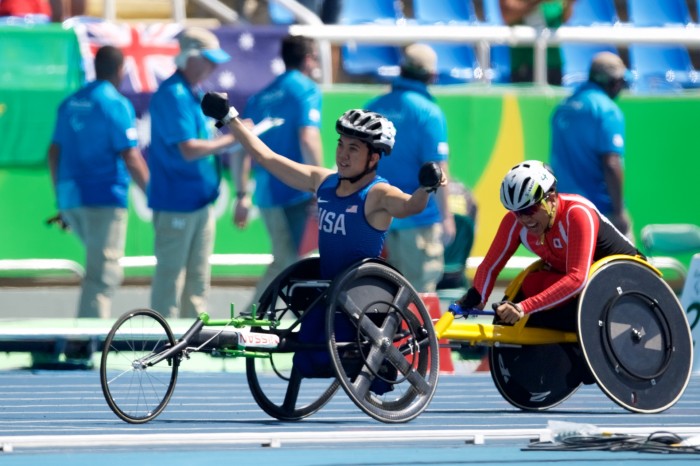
(204, 41)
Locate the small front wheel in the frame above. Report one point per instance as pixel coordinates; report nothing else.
(135, 390)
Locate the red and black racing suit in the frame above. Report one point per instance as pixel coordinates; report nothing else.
(579, 236)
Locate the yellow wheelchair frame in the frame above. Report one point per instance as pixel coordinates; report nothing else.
(518, 334)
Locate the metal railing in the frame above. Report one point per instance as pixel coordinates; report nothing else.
(481, 36)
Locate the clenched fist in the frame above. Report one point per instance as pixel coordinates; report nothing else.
(430, 176)
(215, 105)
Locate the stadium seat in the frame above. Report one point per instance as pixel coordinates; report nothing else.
(378, 62)
(590, 12)
(576, 60)
(279, 14)
(576, 57)
(457, 63)
(661, 68)
(658, 13)
(499, 69)
(369, 11)
(444, 11)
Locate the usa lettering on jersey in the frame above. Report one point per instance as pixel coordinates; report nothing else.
(331, 222)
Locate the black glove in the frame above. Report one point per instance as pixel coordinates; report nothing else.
(430, 176)
(215, 105)
(58, 220)
(470, 300)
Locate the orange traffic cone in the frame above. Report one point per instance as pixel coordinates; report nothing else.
(432, 303)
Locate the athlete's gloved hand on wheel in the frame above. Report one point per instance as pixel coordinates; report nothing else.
(508, 312)
(430, 176)
(215, 105)
(470, 300)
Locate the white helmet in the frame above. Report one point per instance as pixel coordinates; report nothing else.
(526, 184)
(370, 127)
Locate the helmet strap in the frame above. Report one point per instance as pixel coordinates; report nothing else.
(358, 177)
(550, 211)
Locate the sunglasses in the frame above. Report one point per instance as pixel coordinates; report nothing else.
(528, 211)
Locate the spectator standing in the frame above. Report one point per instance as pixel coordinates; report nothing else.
(539, 14)
(415, 244)
(295, 98)
(185, 177)
(91, 157)
(588, 143)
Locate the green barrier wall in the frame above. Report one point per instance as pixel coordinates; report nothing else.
(490, 130)
(38, 68)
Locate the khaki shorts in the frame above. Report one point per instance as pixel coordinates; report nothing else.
(418, 253)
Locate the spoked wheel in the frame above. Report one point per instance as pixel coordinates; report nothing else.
(135, 391)
(382, 342)
(276, 385)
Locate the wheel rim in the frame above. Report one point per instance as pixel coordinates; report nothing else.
(134, 391)
(398, 338)
(276, 386)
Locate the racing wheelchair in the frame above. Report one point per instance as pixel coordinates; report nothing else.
(367, 331)
(632, 339)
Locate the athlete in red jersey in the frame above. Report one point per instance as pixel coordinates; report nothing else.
(565, 230)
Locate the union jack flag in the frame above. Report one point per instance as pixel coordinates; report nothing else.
(148, 50)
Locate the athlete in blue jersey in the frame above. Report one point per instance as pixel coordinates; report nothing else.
(588, 142)
(185, 177)
(295, 99)
(355, 205)
(92, 157)
(416, 243)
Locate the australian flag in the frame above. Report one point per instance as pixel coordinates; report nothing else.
(149, 52)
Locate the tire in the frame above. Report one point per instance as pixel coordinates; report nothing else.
(277, 387)
(382, 342)
(134, 390)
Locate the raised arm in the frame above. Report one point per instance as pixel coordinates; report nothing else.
(385, 202)
(297, 175)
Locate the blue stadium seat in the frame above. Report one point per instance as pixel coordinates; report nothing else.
(444, 11)
(576, 57)
(658, 12)
(379, 62)
(499, 70)
(369, 11)
(457, 63)
(590, 12)
(661, 68)
(577, 61)
(279, 14)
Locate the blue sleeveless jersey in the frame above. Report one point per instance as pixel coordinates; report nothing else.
(344, 235)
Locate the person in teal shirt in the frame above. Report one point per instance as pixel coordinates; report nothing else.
(415, 244)
(294, 99)
(93, 156)
(185, 177)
